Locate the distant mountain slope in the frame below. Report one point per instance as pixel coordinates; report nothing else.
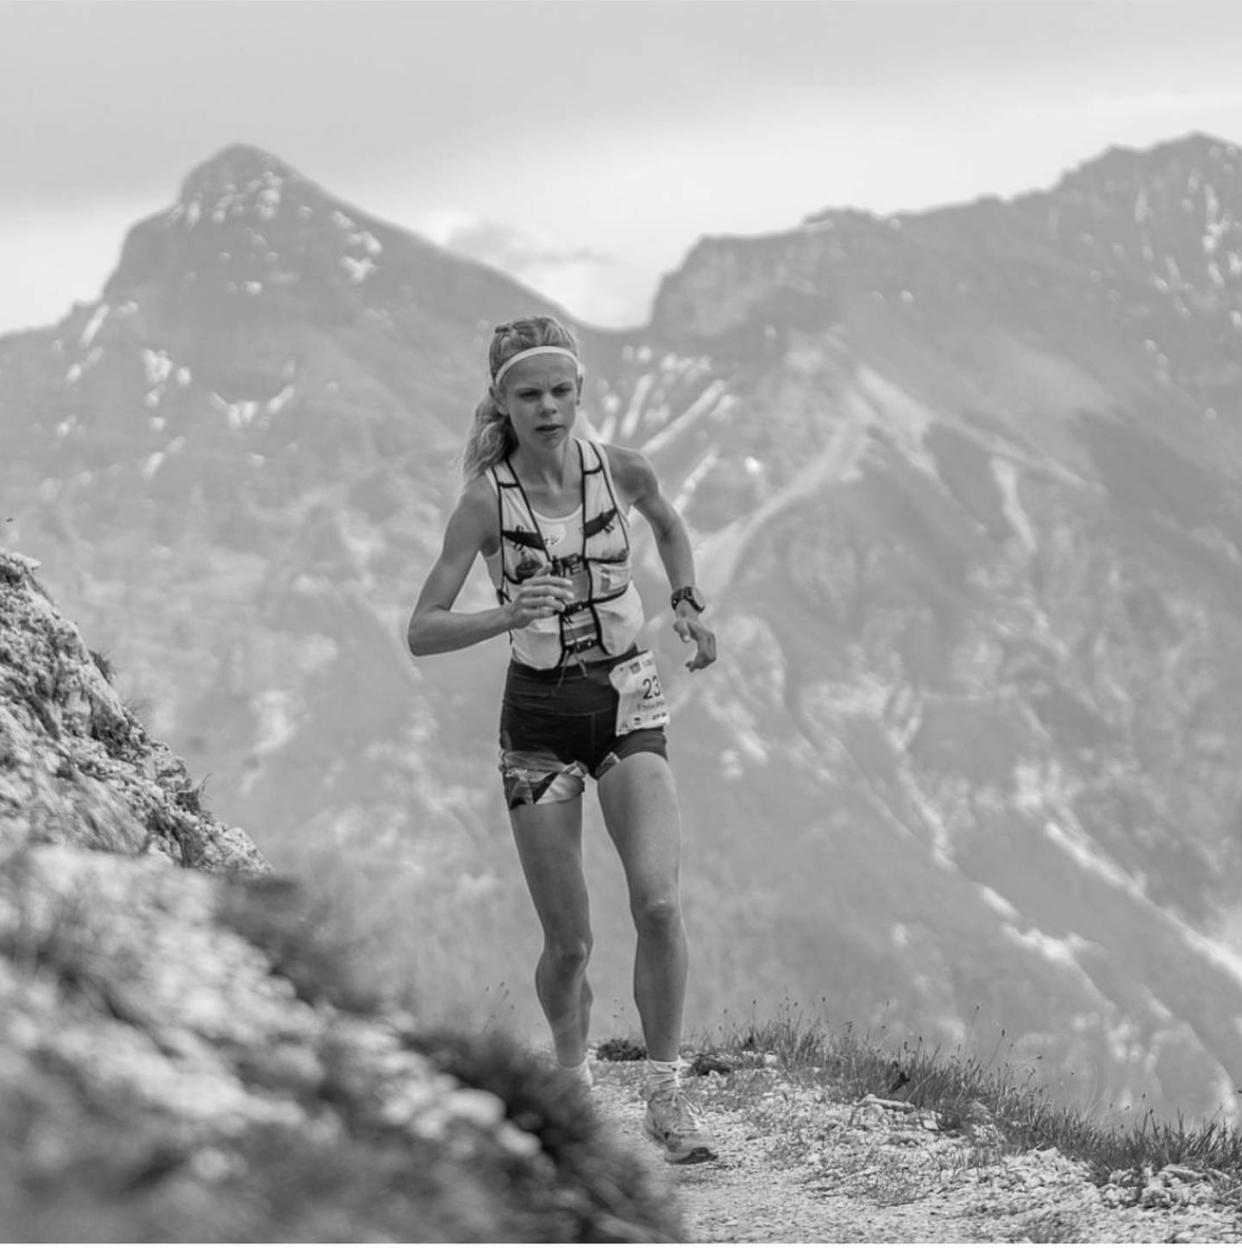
(964, 487)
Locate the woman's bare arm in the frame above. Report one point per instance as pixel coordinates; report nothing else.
(434, 626)
(637, 480)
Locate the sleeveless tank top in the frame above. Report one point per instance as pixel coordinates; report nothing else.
(591, 547)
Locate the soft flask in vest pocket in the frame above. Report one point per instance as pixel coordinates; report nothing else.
(611, 577)
(579, 631)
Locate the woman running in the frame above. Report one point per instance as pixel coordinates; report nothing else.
(548, 512)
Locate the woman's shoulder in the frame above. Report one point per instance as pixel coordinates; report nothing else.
(479, 492)
(631, 470)
(475, 512)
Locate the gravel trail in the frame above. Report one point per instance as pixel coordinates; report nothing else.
(798, 1166)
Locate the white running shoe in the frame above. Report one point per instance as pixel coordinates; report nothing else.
(672, 1122)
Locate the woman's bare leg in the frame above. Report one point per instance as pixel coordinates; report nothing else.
(549, 843)
(639, 801)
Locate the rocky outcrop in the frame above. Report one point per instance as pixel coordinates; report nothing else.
(78, 768)
(186, 1055)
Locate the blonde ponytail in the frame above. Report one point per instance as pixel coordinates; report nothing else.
(491, 439)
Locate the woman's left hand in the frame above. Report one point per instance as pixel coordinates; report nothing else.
(690, 629)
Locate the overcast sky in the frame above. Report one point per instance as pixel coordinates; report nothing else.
(581, 146)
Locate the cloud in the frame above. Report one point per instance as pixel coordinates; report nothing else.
(594, 285)
(514, 250)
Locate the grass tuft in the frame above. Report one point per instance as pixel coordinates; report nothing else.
(620, 1049)
(191, 798)
(972, 1094)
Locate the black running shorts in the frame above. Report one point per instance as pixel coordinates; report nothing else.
(557, 726)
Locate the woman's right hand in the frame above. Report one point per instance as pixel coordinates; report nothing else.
(539, 596)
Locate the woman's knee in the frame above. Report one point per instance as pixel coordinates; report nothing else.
(568, 954)
(657, 915)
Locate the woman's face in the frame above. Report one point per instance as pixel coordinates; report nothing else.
(540, 394)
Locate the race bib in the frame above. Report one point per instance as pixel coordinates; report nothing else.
(641, 705)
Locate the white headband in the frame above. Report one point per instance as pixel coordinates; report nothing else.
(535, 351)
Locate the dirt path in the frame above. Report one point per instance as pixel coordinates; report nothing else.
(796, 1167)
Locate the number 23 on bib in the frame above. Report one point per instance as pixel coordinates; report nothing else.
(642, 705)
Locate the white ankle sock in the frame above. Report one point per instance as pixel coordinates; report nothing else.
(663, 1073)
(582, 1071)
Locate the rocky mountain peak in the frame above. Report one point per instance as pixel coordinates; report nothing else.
(1191, 183)
(247, 183)
(233, 167)
(1186, 161)
(1162, 230)
(245, 225)
(1164, 221)
(250, 240)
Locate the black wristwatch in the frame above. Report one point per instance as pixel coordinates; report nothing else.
(691, 595)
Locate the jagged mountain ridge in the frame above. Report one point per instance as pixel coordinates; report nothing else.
(971, 544)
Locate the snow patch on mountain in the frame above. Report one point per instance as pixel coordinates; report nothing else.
(899, 414)
(238, 413)
(280, 399)
(157, 366)
(358, 270)
(1062, 951)
(942, 839)
(638, 397)
(267, 202)
(1089, 858)
(1093, 861)
(78, 368)
(367, 241)
(997, 902)
(713, 400)
(1218, 953)
(1006, 476)
(92, 326)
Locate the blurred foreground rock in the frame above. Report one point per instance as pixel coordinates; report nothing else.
(182, 1055)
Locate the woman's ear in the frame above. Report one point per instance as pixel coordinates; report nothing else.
(496, 399)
